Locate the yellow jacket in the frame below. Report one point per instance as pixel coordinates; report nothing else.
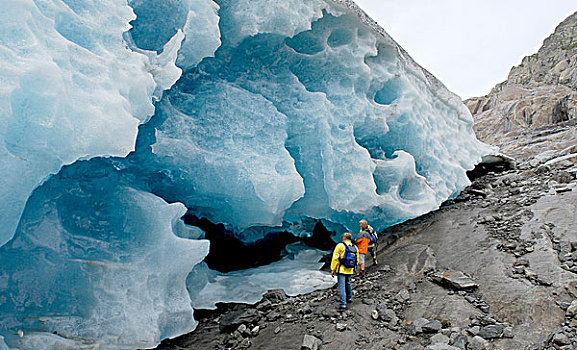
(339, 253)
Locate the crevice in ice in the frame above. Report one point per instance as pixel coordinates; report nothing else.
(156, 22)
(228, 253)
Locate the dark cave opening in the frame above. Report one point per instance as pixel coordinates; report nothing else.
(494, 163)
(228, 253)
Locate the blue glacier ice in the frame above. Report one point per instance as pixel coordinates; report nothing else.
(96, 259)
(118, 117)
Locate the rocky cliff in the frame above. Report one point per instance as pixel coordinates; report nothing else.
(536, 107)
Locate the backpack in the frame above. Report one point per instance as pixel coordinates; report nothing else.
(374, 237)
(372, 234)
(349, 259)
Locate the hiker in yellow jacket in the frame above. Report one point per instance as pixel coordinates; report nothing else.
(344, 273)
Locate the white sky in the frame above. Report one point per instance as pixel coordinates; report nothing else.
(470, 46)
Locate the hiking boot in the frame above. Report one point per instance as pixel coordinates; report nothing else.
(349, 301)
(362, 273)
(342, 307)
(375, 262)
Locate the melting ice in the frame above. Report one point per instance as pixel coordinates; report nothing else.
(116, 118)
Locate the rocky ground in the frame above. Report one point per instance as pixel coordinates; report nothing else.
(494, 268)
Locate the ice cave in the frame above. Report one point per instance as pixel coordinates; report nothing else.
(256, 118)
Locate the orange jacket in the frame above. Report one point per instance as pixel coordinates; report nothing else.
(363, 241)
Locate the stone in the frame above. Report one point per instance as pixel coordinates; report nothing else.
(508, 332)
(375, 315)
(275, 295)
(474, 330)
(403, 295)
(455, 279)
(439, 339)
(432, 327)
(330, 313)
(340, 326)
(277, 330)
(310, 342)
(572, 309)
(273, 316)
(561, 339)
(491, 331)
(477, 343)
(415, 327)
(461, 342)
(388, 316)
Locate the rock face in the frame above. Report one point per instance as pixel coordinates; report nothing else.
(536, 106)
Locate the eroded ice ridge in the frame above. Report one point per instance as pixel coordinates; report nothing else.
(276, 111)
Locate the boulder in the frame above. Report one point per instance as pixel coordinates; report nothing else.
(455, 279)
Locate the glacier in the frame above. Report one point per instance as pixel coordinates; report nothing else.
(118, 117)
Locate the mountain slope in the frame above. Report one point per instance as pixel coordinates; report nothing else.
(539, 98)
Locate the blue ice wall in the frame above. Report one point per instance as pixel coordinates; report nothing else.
(258, 114)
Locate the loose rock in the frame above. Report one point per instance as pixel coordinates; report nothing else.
(311, 343)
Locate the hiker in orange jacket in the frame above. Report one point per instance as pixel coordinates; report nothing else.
(363, 241)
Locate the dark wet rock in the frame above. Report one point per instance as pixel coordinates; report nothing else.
(455, 279)
(231, 321)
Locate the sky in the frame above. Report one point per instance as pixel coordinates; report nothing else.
(469, 45)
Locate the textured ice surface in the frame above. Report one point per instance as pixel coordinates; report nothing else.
(297, 273)
(158, 22)
(370, 133)
(269, 114)
(70, 89)
(97, 260)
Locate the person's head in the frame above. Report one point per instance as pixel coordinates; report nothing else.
(364, 224)
(347, 236)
